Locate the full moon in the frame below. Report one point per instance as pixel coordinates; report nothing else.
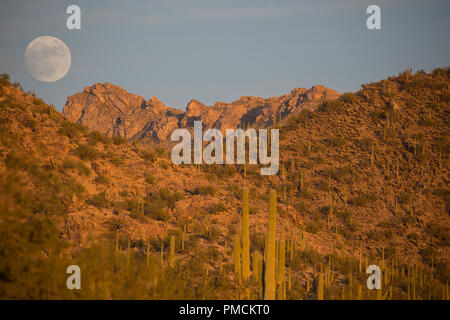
(47, 59)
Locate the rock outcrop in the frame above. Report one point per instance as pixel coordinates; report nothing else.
(113, 111)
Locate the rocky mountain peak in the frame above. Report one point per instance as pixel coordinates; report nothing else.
(112, 110)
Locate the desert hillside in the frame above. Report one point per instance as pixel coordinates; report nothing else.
(363, 180)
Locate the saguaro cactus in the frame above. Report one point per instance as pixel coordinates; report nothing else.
(245, 237)
(359, 294)
(269, 276)
(237, 257)
(147, 254)
(320, 288)
(116, 250)
(281, 265)
(183, 237)
(172, 252)
(258, 270)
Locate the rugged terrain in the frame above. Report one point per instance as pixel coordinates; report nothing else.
(364, 180)
(112, 111)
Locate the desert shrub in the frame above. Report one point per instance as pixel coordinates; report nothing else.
(205, 190)
(117, 161)
(363, 200)
(119, 140)
(442, 192)
(38, 101)
(169, 197)
(150, 179)
(164, 164)
(442, 271)
(157, 210)
(441, 233)
(148, 155)
(86, 152)
(15, 160)
(330, 106)
(313, 226)
(336, 141)
(160, 151)
(413, 237)
(343, 264)
(70, 129)
(429, 122)
(377, 115)
(339, 174)
(380, 235)
(348, 97)
(404, 197)
(301, 206)
(115, 223)
(30, 123)
(99, 200)
(132, 205)
(158, 204)
(319, 160)
(102, 179)
(4, 79)
(365, 144)
(217, 207)
(77, 165)
(302, 118)
(96, 136)
(323, 185)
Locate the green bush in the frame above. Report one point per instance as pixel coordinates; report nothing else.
(302, 118)
(160, 151)
(86, 152)
(205, 190)
(132, 205)
(348, 97)
(96, 136)
(147, 155)
(217, 207)
(76, 165)
(157, 210)
(4, 79)
(71, 129)
(330, 106)
(99, 200)
(169, 197)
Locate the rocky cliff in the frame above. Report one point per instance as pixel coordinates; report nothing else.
(113, 111)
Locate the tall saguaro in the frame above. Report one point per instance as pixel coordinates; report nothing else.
(269, 276)
(245, 237)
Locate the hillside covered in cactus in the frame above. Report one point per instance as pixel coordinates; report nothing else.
(363, 180)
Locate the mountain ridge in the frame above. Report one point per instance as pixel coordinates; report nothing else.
(111, 110)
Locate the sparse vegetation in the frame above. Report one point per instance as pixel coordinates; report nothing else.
(362, 181)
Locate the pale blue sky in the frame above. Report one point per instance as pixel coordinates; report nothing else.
(220, 50)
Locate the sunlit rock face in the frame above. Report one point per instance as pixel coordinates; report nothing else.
(113, 111)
